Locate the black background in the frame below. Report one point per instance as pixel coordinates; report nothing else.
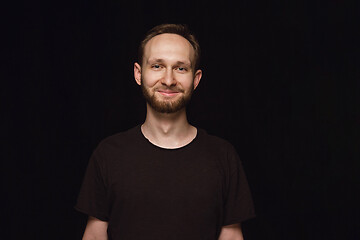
(281, 82)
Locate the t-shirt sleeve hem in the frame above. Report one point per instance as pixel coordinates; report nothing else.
(238, 220)
(92, 214)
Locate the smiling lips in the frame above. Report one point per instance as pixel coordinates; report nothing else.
(168, 93)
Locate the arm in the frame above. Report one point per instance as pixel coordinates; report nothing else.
(231, 232)
(95, 229)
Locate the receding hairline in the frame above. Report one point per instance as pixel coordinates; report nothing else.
(192, 54)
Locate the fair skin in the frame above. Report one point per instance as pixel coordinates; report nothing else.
(95, 229)
(168, 64)
(167, 71)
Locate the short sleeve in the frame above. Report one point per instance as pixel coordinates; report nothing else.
(92, 199)
(238, 203)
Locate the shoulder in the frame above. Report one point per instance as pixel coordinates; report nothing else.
(221, 150)
(121, 138)
(213, 142)
(115, 148)
(118, 142)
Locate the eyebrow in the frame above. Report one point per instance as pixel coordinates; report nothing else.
(160, 60)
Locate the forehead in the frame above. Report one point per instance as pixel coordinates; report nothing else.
(169, 46)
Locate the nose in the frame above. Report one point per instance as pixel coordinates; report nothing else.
(169, 78)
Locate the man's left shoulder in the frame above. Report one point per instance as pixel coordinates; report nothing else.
(216, 143)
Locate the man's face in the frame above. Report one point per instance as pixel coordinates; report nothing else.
(167, 75)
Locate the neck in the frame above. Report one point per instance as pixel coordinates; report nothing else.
(168, 130)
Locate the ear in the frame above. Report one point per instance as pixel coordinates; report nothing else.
(197, 78)
(137, 73)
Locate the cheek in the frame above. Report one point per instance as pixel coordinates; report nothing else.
(186, 81)
(150, 78)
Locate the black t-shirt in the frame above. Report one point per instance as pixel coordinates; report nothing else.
(148, 192)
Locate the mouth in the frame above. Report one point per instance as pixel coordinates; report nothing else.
(168, 93)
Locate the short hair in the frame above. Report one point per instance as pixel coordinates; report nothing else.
(179, 29)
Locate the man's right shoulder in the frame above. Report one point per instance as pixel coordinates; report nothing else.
(121, 139)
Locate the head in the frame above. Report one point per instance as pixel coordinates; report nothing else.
(167, 70)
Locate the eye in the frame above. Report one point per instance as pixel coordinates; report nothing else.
(181, 69)
(155, 66)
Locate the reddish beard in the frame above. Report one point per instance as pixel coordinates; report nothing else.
(167, 106)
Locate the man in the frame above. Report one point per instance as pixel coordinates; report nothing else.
(165, 179)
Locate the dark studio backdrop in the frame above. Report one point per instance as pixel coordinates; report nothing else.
(281, 83)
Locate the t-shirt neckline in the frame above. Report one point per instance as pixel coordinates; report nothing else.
(191, 143)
